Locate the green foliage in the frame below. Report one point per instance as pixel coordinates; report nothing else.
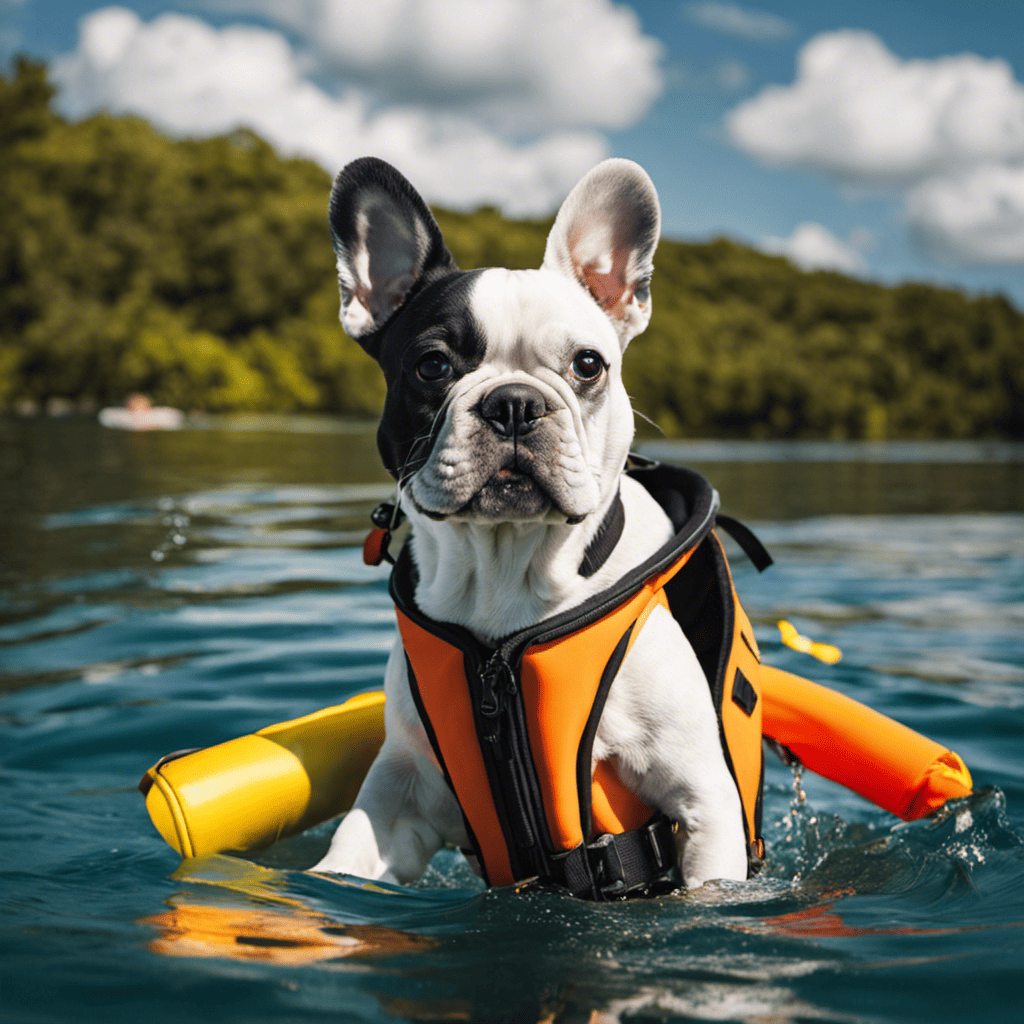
(744, 344)
(485, 238)
(200, 272)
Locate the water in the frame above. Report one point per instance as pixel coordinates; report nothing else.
(159, 591)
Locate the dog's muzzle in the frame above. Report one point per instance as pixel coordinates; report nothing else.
(507, 454)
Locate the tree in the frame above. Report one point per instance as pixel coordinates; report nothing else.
(201, 272)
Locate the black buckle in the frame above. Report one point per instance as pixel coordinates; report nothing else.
(659, 873)
(609, 875)
(661, 861)
(387, 516)
(660, 838)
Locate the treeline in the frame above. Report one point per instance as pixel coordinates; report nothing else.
(200, 273)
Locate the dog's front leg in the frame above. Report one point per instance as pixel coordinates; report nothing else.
(404, 812)
(660, 728)
(384, 836)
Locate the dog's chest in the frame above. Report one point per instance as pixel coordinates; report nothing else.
(495, 581)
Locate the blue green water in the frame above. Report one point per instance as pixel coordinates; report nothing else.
(161, 591)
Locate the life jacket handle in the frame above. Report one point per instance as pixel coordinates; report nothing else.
(747, 540)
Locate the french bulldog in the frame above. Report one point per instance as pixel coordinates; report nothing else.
(507, 426)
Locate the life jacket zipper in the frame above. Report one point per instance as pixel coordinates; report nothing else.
(497, 688)
(504, 733)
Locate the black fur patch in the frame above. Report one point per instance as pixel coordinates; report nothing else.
(438, 317)
(434, 315)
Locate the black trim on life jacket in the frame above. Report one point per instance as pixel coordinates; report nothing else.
(606, 536)
(689, 501)
(691, 505)
(432, 737)
(584, 760)
(719, 682)
(700, 599)
(642, 859)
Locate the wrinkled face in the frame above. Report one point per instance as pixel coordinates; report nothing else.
(505, 400)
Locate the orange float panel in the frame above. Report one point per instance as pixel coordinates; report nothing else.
(885, 762)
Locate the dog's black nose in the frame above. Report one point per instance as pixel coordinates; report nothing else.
(513, 409)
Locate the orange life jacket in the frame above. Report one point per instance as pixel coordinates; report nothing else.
(513, 726)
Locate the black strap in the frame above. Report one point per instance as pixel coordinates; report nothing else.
(572, 872)
(747, 540)
(637, 863)
(606, 536)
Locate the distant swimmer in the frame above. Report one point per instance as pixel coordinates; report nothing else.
(139, 413)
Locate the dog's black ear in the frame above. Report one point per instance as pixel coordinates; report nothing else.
(387, 243)
(604, 237)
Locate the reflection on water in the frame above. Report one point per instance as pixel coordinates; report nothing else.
(797, 479)
(250, 917)
(160, 591)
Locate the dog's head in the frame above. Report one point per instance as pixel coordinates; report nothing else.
(504, 388)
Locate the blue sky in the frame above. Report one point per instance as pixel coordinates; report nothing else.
(886, 139)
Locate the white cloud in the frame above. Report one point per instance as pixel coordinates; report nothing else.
(858, 111)
(949, 132)
(973, 217)
(526, 65)
(734, 20)
(192, 79)
(812, 247)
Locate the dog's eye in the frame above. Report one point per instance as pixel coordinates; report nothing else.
(588, 365)
(433, 366)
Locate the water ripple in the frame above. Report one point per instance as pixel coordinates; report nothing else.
(259, 609)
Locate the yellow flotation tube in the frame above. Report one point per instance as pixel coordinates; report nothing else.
(249, 792)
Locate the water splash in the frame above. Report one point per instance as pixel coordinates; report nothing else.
(817, 851)
(177, 521)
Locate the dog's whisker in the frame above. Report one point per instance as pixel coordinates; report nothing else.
(417, 443)
(646, 418)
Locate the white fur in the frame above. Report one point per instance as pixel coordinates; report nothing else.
(659, 726)
(535, 322)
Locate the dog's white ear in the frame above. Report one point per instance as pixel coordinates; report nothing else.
(386, 242)
(604, 237)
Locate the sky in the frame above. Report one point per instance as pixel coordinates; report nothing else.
(882, 139)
